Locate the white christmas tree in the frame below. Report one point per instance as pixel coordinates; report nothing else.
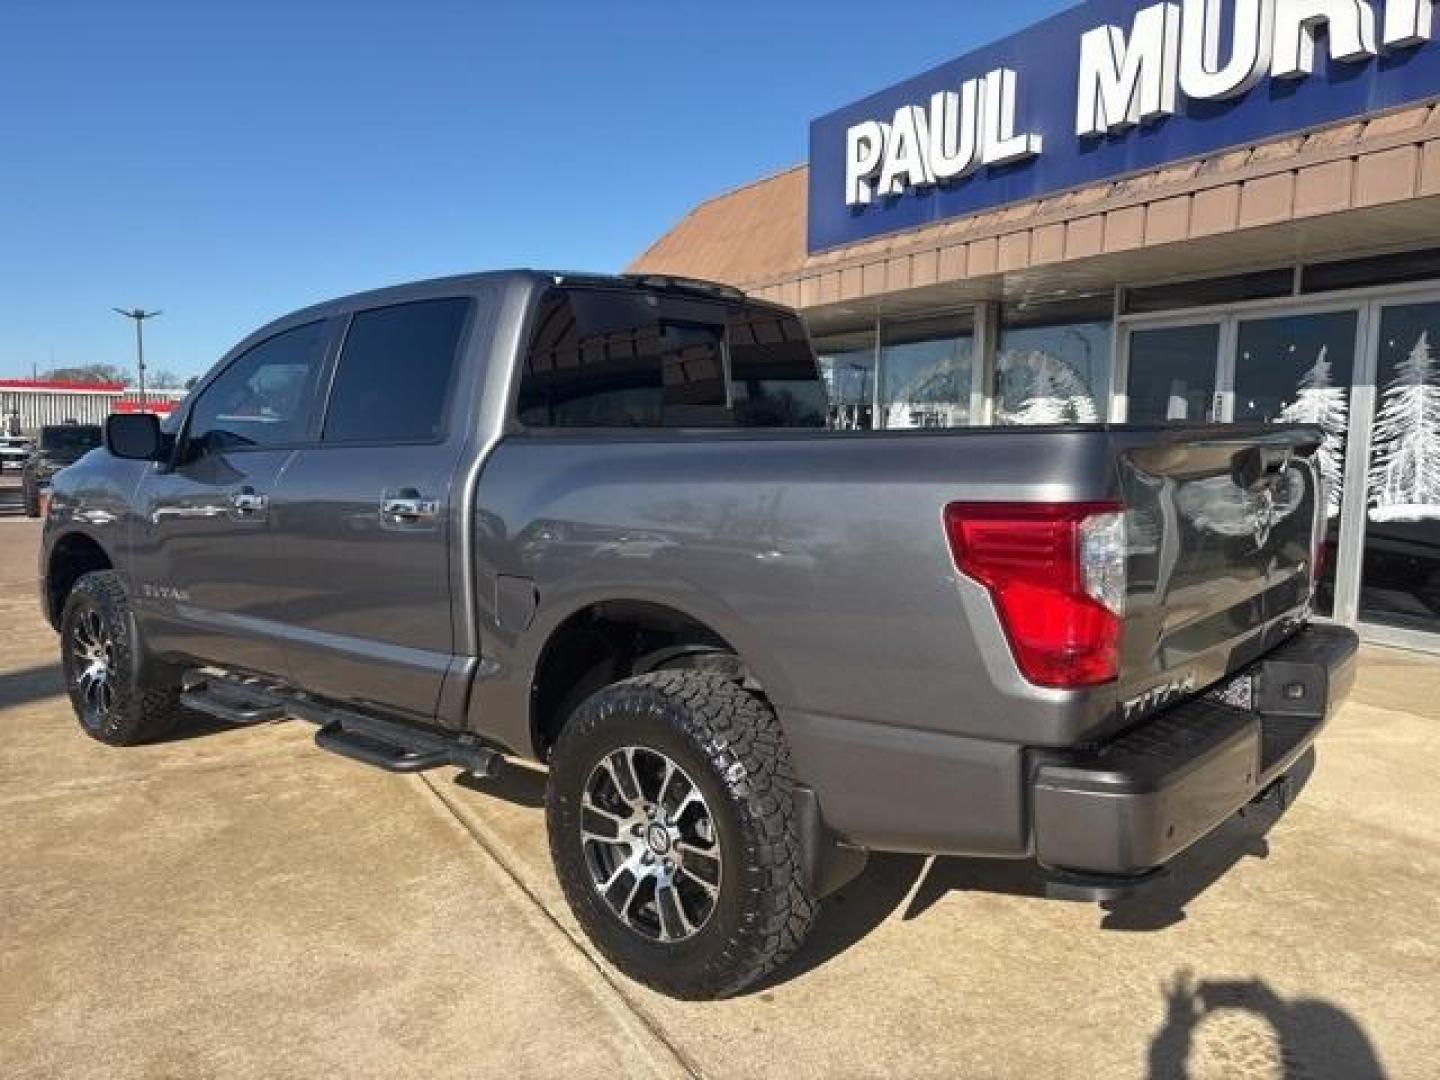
(1056, 394)
(1322, 403)
(1405, 465)
(1045, 399)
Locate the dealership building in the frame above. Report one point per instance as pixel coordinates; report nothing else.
(1209, 210)
(31, 404)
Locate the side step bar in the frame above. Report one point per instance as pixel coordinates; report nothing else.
(234, 701)
(396, 748)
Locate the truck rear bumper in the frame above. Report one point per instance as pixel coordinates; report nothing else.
(1137, 802)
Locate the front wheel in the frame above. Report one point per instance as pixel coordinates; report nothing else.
(672, 826)
(118, 697)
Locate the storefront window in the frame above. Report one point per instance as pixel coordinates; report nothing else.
(847, 364)
(1400, 582)
(1054, 370)
(1172, 374)
(926, 374)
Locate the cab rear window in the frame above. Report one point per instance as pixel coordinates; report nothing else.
(629, 358)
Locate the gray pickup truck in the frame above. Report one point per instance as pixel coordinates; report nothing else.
(596, 522)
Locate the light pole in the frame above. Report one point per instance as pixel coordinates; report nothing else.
(139, 315)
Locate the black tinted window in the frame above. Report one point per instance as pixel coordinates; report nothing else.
(395, 373)
(611, 358)
(69, 438)
(266, 397)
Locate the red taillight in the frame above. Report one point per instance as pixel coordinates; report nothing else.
(1052, 576)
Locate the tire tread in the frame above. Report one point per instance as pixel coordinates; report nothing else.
(740, 735)
(152, 706)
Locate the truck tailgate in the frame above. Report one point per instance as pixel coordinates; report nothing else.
(1220, 526)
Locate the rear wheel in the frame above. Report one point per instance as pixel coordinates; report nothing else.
(118, 696)
(672, 827)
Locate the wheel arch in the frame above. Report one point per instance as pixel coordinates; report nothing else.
(601, 642)
(70, 557)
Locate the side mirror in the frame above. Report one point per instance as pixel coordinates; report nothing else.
(135, 437)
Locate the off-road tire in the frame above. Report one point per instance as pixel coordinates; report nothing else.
(729, 742)
(145, 699)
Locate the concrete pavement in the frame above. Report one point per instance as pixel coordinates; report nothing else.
(237, 903)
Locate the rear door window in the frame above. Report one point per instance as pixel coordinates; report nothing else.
(616, 358)
(395, 373)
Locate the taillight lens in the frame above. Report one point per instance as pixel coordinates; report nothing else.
(1056, 572)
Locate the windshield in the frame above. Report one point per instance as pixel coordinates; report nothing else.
(69, 440)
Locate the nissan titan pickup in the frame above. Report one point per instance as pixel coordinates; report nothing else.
(600, 523)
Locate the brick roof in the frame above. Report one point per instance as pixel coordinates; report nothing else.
(756, 232)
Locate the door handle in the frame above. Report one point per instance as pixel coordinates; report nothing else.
(248, 502)
(408, 508)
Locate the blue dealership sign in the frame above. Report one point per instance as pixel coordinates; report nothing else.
(1107, 88)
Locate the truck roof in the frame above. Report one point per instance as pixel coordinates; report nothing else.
(435, 286)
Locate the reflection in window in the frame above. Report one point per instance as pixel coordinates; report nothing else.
(847, 364)
(266, 397)
(1054, 374)
(619, 358)
(1297, 369)
(926, 374)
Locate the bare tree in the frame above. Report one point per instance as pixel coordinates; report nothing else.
(86, 373)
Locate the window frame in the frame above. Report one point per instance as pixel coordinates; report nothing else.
(184, 444)
(447, 401)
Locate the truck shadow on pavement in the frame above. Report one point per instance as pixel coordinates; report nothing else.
(25, 686)
(511, 783)
(881, 890)
(1153, 906)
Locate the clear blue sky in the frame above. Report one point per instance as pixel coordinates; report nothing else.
(229, 162)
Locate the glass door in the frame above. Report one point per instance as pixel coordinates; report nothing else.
(1172, 373)
(1298, 369)
(1400, 562)
(1367, 374)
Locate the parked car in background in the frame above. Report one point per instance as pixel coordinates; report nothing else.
(59, 445)
(14, 451)
(598, 522)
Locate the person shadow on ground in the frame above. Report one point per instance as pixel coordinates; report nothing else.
(1310, 1039)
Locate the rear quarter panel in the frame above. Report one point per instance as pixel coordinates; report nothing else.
(821, 557)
